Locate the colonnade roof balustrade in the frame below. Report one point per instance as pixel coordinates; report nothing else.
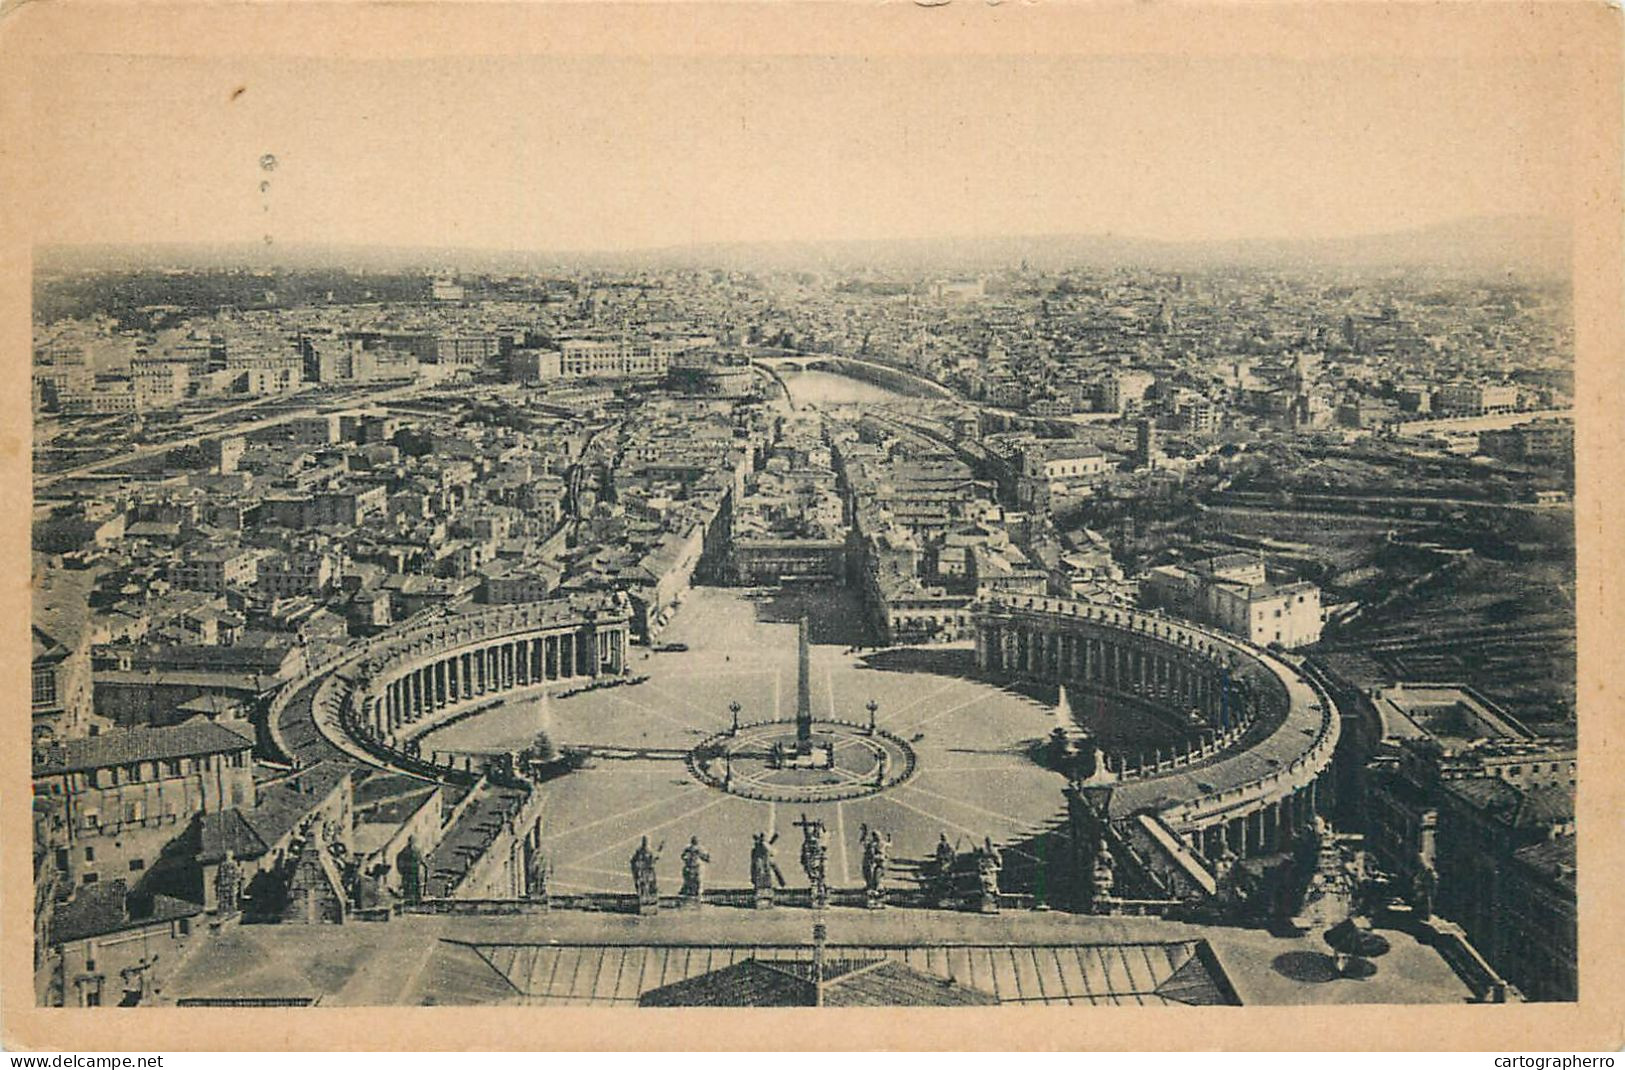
(446, 634)
(1290, 756)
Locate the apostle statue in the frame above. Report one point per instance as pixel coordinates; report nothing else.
(764, 871)
(874, 858)
(989, 861)
(414, 873)
(643, 872)
(1103, 877)
(942, 869)
(814, 858)
(694, 860)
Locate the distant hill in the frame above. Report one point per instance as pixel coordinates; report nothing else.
(1520, 244)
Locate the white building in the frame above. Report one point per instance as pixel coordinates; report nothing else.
(1289, 614)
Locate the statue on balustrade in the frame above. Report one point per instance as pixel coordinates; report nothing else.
(414, 873)
(694, 860)
(643, 875)
(814, 859)
(943, 862)
(989, 862)
(875, 849)
(1103, 876)
(764, 871)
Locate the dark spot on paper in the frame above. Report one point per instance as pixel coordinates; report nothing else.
(268, 162)
(239, 91)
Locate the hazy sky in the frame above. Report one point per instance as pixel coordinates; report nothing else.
(608, 153)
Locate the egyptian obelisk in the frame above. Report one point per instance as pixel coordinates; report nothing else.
(803, 691)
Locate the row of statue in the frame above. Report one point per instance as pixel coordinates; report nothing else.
(986, 862)
(765, 874)
(364, 885)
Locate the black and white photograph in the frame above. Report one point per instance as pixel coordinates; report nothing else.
(793, 524)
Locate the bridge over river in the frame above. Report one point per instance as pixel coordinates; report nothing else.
(831, 379)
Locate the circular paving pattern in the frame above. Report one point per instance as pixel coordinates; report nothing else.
(769, 762)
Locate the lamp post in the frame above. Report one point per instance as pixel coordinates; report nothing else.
(734, 708)
(872, 707)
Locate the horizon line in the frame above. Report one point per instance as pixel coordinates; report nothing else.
(724, 243)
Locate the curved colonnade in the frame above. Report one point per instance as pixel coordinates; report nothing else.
(403, 691)
(371, 702)
(1247, 785)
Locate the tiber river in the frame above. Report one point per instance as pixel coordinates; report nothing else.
(829, 388)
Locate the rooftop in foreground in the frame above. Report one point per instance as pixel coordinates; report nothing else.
(578, 957)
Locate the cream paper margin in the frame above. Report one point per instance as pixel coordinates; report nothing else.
(1586, 37)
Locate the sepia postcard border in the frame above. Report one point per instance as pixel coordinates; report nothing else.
(1584, 36)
